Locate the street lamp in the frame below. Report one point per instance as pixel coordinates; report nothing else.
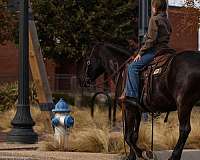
(22, 131)
(143, 19)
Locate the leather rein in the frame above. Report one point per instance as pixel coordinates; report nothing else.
(88, 63)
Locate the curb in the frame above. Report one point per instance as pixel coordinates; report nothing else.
(8, 147)
(186, 155)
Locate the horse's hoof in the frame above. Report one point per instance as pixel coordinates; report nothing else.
(149, 155)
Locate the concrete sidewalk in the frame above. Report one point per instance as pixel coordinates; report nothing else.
(40, 155)
(31, 152)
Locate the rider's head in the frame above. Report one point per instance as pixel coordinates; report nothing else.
(159, 6)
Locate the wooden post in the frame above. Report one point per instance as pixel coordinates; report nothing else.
(39, 74)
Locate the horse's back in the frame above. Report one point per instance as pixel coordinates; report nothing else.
(187, 62)
(178, 83)
(188, 56)
(184, 76)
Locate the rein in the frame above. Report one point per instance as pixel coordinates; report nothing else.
(109, 77)
(115, 73)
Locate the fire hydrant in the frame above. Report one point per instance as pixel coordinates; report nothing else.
(62, 122)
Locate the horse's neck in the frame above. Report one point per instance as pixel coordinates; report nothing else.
(113, 57)
(112, 68)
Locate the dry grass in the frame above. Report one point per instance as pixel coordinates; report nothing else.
(95, 135)
(36, 114)
(6, 118)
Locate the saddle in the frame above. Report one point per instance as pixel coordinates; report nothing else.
(157, 68)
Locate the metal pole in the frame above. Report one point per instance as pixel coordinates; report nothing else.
(152, 114)
(143, 19)
(22, 131)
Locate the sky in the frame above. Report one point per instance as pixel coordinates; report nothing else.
(180, 2)
(176, 2)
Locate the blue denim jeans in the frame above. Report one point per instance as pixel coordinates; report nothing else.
(132, 82)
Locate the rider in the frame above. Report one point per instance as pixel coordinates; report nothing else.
(156, 38)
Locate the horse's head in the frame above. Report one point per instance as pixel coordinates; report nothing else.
(102, 58)
(91, 68)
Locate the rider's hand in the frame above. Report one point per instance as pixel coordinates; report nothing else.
(138, 57)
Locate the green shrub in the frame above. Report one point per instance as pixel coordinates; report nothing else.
(9, 95)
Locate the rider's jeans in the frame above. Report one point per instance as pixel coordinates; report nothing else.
(132, 82)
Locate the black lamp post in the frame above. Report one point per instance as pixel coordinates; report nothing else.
(22, 131)
(143, 19)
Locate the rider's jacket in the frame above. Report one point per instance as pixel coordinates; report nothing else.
(158, 34)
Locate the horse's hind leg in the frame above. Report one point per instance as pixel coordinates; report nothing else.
(184, 130)
(132, 123)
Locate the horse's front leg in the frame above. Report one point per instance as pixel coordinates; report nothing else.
(132, 123)
(136, 132)
(184, 130)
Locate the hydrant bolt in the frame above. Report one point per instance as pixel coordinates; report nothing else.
(69, 121)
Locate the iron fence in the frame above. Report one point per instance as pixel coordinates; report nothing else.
(61, 83)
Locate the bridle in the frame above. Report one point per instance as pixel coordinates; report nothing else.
(87, 80)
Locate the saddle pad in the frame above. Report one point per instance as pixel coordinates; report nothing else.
(157, 66)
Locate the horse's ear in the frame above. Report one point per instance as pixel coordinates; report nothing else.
(113, 64)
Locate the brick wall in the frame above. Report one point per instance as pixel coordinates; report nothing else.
(185, 32)
(50, 68)
(8, 62)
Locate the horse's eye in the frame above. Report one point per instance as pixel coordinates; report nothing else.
(88, 62)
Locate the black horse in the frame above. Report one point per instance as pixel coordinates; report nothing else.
(177, 90)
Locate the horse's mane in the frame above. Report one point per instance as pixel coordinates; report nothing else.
(117, 49)
(114, 48)
(189, 51)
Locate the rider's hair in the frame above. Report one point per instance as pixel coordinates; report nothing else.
(160, 5)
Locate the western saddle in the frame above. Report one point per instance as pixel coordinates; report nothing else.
(157, 67)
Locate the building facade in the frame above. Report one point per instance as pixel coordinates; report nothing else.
(62, 76)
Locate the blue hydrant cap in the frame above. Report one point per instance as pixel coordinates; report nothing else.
(61, 106)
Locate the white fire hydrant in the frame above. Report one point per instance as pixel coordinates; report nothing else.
(62, 122)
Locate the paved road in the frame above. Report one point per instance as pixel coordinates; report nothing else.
(187, 155)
